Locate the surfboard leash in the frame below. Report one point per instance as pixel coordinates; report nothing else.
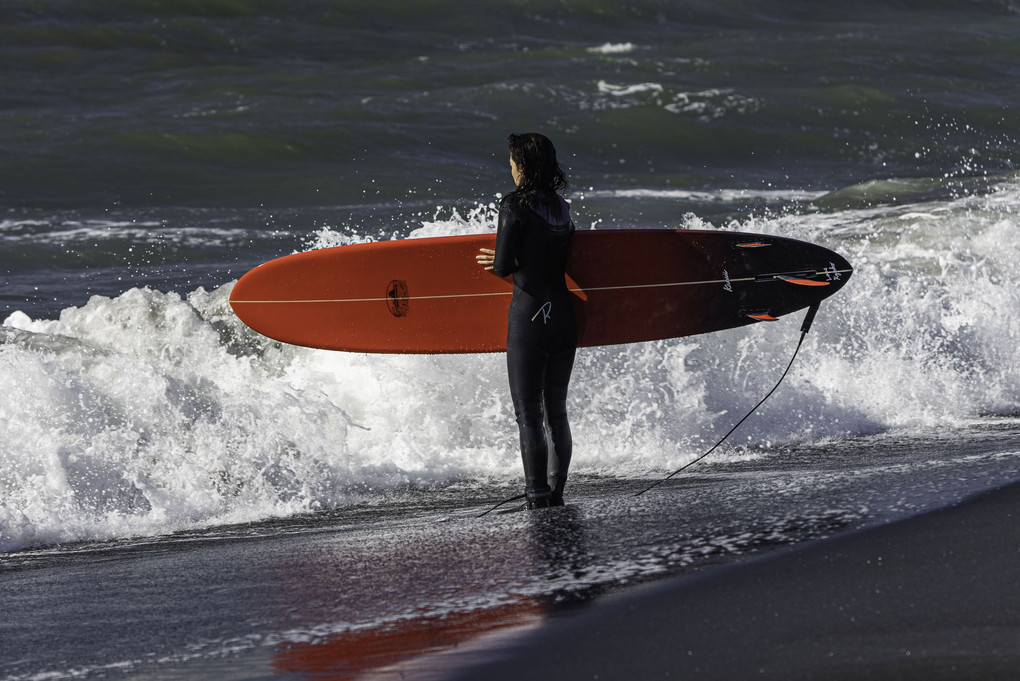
(505, 501)
(809, 318)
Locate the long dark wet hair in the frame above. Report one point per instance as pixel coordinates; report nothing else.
(541, 175)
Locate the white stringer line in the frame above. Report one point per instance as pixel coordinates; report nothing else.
(379, 300)
(507, 293)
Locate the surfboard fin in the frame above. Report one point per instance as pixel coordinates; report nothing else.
(753, 244)
(762, 316)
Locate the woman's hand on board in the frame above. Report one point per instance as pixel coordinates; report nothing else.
(486, 257)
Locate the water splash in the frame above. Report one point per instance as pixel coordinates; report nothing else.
(152, 412)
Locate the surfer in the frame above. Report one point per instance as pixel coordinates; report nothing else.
(532, 239)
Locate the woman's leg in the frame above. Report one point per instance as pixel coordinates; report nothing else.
(526, 371)
(557, 382)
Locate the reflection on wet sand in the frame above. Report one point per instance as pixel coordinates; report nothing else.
(351, 654)
(555, 540)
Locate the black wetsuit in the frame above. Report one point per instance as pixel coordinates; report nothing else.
(532, 243)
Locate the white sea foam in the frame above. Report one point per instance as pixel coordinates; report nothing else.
(703, 104)
(152, 412)
(612, 48)
(624, 90)
(442, 222)
(715, 196)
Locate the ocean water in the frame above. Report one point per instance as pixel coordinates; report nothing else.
(151, 152)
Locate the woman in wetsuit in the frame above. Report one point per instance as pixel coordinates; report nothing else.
(531, 243)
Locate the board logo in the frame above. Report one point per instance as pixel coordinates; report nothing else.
(396, 298)
(728, 286)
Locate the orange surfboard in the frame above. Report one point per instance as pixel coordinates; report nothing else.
(430, 296)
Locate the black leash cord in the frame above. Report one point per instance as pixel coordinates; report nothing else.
(505, 501)
(804, 328)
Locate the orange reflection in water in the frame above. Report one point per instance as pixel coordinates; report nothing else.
(351, 654)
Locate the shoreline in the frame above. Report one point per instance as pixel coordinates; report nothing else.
(928, 596)
(932, 596)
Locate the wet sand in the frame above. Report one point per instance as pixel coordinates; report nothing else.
(936, 596)
(408, 593)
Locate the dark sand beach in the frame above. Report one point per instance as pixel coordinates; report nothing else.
(933, 597)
